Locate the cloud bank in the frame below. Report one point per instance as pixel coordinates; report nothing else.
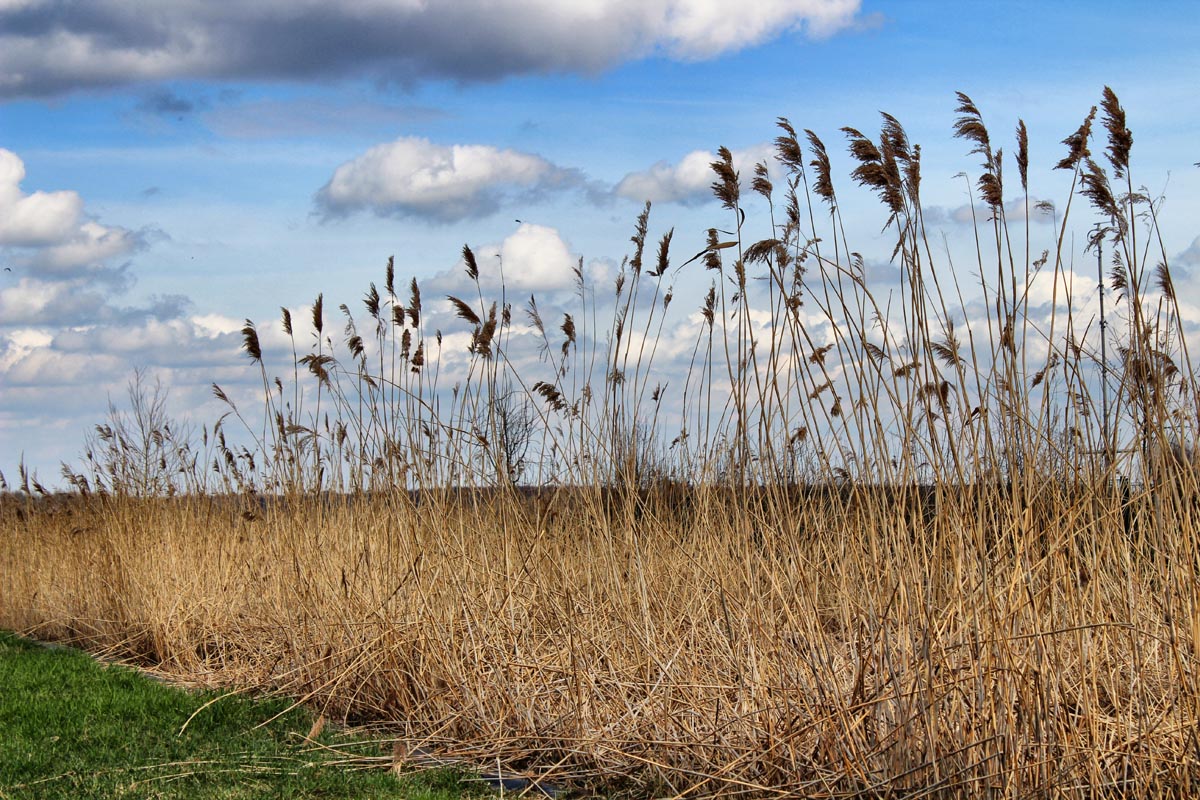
(68, 336)
(53, 46)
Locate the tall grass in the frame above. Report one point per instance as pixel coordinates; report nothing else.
(928, 542)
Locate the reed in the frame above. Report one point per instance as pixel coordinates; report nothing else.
(929, 543)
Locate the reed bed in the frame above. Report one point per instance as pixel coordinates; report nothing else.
(904, 546)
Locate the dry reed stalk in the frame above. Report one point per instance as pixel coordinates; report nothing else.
(858, 648)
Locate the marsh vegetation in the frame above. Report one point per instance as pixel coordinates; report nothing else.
(935, 542)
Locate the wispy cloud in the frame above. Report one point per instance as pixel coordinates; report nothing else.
(418, 178)
(52, 46)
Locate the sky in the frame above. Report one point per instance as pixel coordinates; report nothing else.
(171, 168)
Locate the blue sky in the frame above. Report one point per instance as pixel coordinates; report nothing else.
(191, 165)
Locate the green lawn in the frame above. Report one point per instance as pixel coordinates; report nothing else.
(73, 728)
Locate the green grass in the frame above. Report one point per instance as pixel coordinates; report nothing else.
(71, 727)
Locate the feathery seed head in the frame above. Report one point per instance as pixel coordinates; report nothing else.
(472, 266)
(762, 183)
(1023, 154)
(969, 125)
(664, 250)
(1077, 143)
(568, 329)
(726, 187)
(787, 148)
(250, 342)
(414, 303)
(639, 239)
(712, 255)
(463, 310)
(318, 314)
(1120, 138)
(371, 301)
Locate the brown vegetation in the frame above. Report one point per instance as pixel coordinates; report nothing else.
(926, 549)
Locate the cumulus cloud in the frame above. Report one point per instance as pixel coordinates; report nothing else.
(32, 220)
(534, 259)
(47, 231)
(52, 46)
(418, 178)
(689, 182)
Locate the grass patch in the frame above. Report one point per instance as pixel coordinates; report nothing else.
(72, 727)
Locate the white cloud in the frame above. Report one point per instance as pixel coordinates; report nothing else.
(213, 325)
(30, 301)
(1050, 288)
(48, 230)
(52, 46)
(61, 259)
(415, 177)
(532, 260)
(1189, 258)
(707, 28)
(89, 245)
(32, 220)
(66, 337)
(20, 343)
(536, 258)
(154, 340)
(47, 367)
(690, 180)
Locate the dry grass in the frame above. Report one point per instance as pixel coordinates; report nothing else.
(906, 560)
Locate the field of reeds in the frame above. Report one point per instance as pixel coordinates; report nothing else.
(935, 540)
